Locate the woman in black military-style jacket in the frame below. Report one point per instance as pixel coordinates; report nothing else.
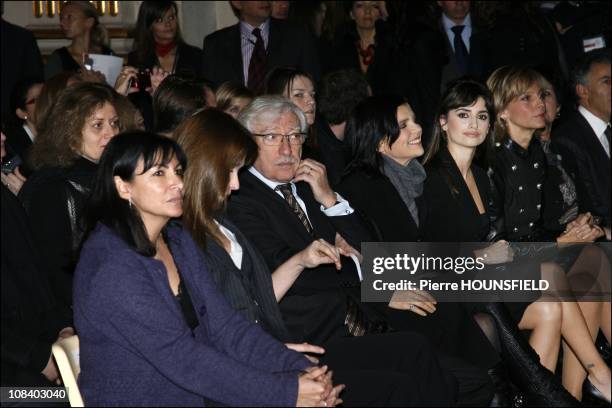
(518, 180)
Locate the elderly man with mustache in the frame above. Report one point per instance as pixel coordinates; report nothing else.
(283, 204)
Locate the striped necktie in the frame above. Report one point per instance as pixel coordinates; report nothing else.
(287, 193)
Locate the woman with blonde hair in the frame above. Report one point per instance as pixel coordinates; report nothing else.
(519, 177)
(80, 23)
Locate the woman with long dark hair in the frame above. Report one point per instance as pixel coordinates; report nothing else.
(158, 41)
(455, 161)
(153, 328)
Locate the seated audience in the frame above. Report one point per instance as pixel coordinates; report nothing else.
(385, 141)
(153, 328)
(583, 139)
(79, 22)
(65, 156)
(247, 51)
(374, 368)
(232, 98)
(518, 178)
(284, 204)
(31, 318)
(158, 42)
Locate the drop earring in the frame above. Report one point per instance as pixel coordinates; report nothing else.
(130, 202)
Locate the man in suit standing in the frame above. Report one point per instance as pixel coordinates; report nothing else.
(583, 139)
(462, 42)
(248, 50)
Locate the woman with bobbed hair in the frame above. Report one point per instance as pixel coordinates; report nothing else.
(79, 22)
(153, 328)
(519, 177)
(233, 97)
(158, 41)
(64, 157)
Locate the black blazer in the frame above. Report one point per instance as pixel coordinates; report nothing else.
(453, 217)
(21, 59)
(31, 319)
(586, 162)
(379, 203)
(315, 307)
(249, 289)
(288, 45)
(189, 61)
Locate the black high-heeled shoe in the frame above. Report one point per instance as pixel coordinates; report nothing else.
(591, 396)
(540, 385)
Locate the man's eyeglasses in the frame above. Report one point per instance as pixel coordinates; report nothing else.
(275, 139)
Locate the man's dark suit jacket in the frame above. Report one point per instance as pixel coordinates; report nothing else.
(288, 45)
(20, 59)
(314, 308)
(586, 161)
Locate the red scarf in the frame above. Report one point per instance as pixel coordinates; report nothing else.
(164, 49)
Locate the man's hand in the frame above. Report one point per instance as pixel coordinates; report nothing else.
(320, 252)
(314, 173)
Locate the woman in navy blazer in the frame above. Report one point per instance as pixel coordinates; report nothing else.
(153, 328)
